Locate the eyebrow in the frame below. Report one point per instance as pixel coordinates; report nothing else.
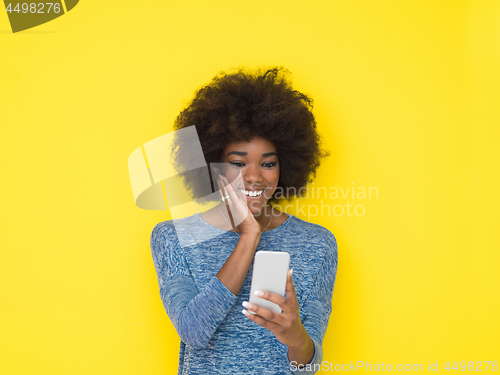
(243, 153)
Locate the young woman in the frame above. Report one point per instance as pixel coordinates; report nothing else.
(264, 134)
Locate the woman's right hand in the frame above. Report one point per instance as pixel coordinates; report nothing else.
(241, 215)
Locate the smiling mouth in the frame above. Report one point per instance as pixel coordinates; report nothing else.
(252, 193)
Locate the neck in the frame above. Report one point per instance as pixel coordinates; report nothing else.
(265, 216)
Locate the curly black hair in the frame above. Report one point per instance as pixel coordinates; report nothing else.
(235, 107)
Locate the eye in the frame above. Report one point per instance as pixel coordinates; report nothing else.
(236, 164)
(269, 164)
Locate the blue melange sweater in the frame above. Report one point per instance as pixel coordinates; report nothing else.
(216, 338)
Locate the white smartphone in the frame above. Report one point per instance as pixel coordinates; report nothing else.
(269, 274)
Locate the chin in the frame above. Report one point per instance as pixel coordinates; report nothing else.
(256, 209)
(255, 212)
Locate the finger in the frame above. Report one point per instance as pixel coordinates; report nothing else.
(238, 181)
(230, 189)
(221, 189)
(238, 206)
(224, 189)
(290, 290)
(273, 297)
(224, 203)
(273, 327)
(265, 313)
(227, 202)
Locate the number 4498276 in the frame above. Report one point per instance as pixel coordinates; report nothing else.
(472, 366)
(32, 8)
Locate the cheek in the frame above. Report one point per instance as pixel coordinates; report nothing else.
(275, 177)
(273, 182)
(232, 173)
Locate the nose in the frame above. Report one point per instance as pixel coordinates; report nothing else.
(252, 175)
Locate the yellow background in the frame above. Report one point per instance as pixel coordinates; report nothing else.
(407, 98)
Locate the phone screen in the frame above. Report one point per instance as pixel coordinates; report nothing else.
(269, 274)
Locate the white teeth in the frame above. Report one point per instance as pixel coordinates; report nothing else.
(252, 193)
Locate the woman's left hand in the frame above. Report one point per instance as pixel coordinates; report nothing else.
(286, 326)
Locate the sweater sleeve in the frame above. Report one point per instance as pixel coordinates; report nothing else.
(317, 308)
(195, 314)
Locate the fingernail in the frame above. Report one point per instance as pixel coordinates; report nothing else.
(245, 312)
(258, 293)
(220, 175)
(247, 305)
(291, 271)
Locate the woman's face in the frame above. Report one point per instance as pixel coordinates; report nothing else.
(257, 160)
